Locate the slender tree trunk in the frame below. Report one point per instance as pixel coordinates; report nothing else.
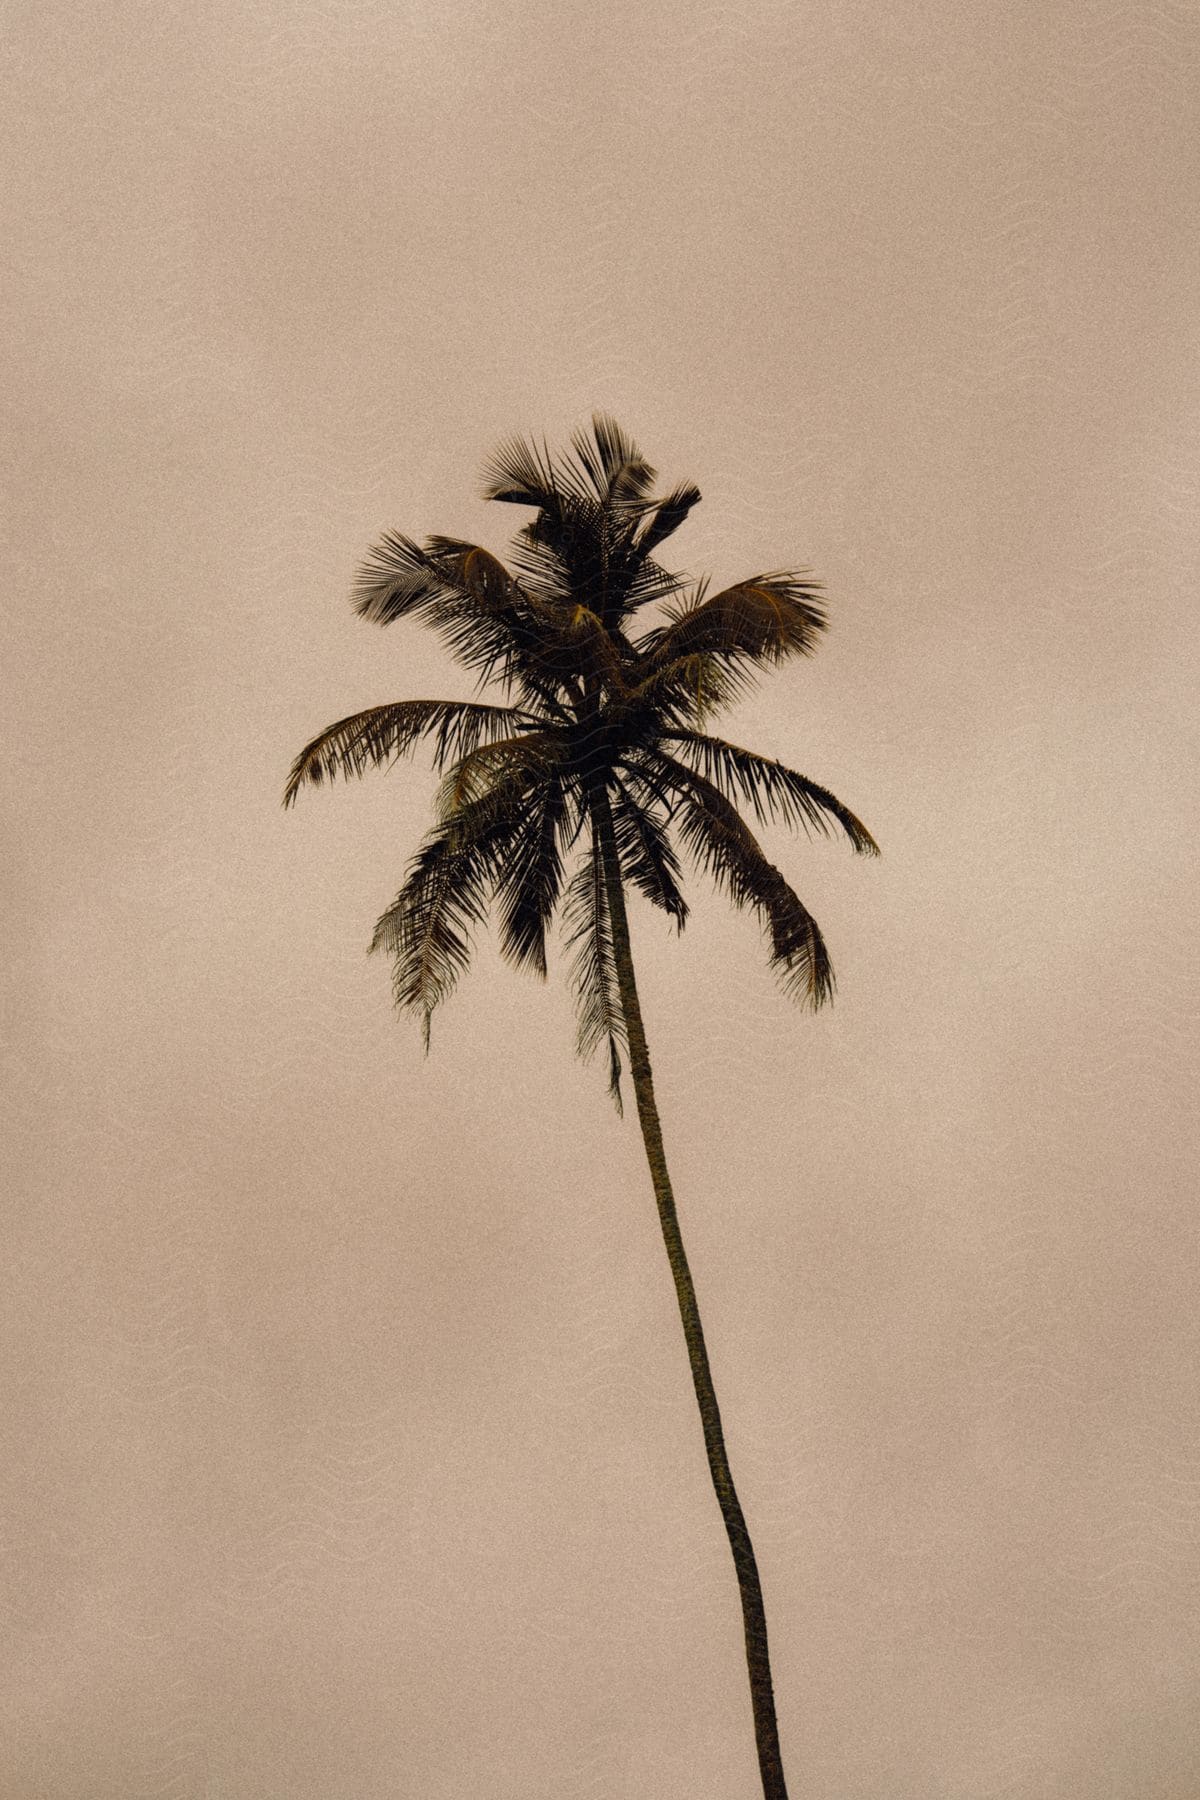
(762, 1697)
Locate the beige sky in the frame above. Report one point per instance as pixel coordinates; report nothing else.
(347, 1450)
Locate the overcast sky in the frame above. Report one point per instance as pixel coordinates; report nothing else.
(347, 1445)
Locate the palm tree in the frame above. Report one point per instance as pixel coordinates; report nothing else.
(600, 746)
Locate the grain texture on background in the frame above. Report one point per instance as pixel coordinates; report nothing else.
(347, 1450)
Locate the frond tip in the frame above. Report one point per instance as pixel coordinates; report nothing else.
(428, 928)
(384, 733)
(724, 846)
(772, 790)
(518, 474)
(594, 968)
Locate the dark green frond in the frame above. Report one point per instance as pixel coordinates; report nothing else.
(594, 967)
(488, 621)
(532, 878)
(584, 543)
(759, 621)
(471, 569)
(667, 517)
(403, 579)
(563, 554)
(615, 467)
(427, 928)
(645, 582)
(646, 853)
(397, 579)
(476, 773)
(688, 689)
(585, 554)
(519, 475)
(383, 733)
(774, 791)
(725, 848)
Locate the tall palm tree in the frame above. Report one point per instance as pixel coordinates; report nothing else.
(601, 748)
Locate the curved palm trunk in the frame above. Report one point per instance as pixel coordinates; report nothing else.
(762, 1696)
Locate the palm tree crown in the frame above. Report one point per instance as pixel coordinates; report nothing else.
(611, 668)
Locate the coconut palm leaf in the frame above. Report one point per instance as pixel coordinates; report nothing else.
(427, 928)
(399, 579)
(593, 968)
(477, 773)
(532, 879)
(607, 467)
(612, 463)
(667, 516)
(490, 624)
(579, 556)
(760, 621)
(647, 855)
(519, 475)
(686, 690)
(725, 848)
(383, 733)
(772, 790)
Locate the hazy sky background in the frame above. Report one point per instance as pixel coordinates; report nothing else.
(347, 1446)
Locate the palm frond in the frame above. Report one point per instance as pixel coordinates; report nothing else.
(644, 582)
(564, 552)
(532, 878)
(584, 554)
(462, 591)
(427, 929)
(760, 621)
(475, 774)
(725, 848)
(594, 967)
(384, 733)
(647, 856)
(519, 475)
(667, 516)
(396, 579)
(471, 569)
(541, 553)
(688, 689)
(618, 472)
(772, 789)
(488, 621)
